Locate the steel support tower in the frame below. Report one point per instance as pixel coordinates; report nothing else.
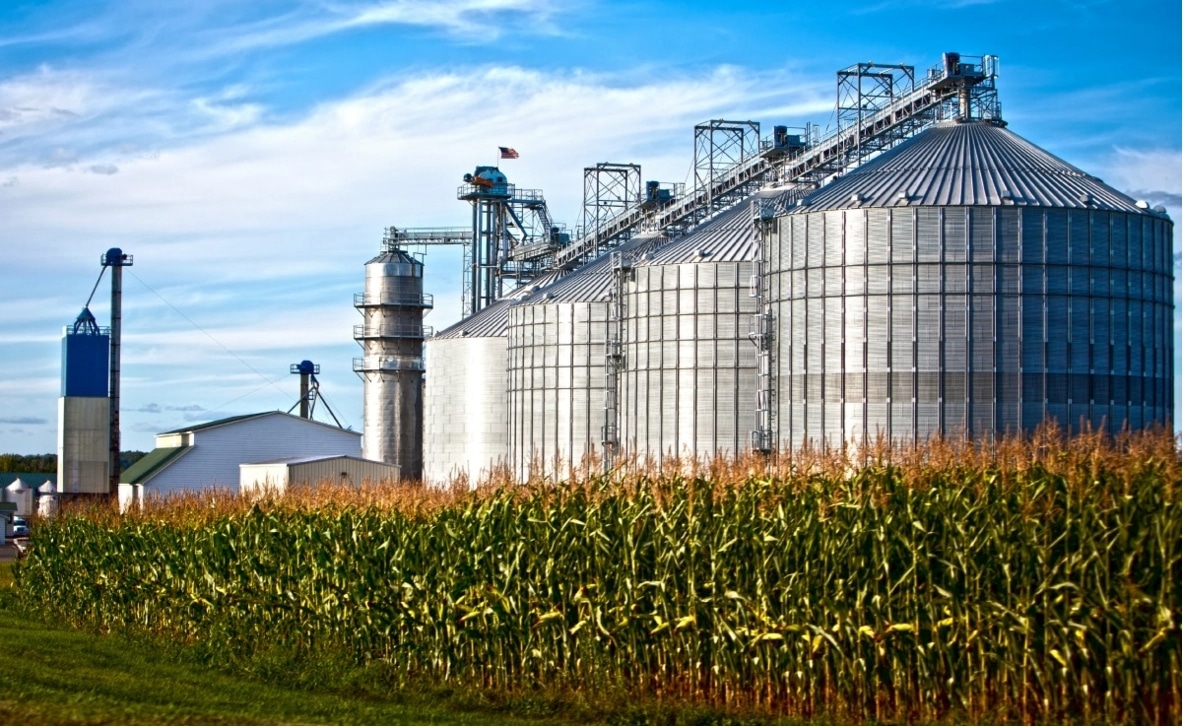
(863, 90)
(609, 190)
(488, 242)
(719, 146)
(513, 236)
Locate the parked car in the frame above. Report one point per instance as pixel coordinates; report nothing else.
(20, 527)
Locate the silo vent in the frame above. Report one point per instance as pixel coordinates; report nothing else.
(857, 198)
(904, 197)
(1088, 199)
(1161, 209)
(1142, 204)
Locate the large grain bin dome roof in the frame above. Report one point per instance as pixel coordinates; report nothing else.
(964, 164)
(592, 281)
(492, 320)
(724, 237)
(729, 237)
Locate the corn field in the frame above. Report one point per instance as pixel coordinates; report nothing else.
(1033, 581)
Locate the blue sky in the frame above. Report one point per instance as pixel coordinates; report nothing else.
(249, 155)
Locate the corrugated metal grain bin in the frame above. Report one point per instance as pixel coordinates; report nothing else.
(968, 282)
(557, 394)
(689, 373)
(466, 397)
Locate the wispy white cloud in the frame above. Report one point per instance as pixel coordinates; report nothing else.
(472, 18)
(937, 5)
(393, 154)
(23, 420)
(471, 21)
(1155, 171)
(52, 116)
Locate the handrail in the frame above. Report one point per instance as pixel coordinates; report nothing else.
(420, 300)
(392, 330)
(388, 363)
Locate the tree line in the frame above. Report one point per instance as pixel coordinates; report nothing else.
(48, 463)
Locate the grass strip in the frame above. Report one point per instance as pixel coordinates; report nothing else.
(55, 675)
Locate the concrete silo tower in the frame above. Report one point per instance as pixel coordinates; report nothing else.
(393, 366)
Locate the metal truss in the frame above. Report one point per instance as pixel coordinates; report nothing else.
(720, 146)
(863, 90)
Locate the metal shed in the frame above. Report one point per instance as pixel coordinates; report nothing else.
(277, 475)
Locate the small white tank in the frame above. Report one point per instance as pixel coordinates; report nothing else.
(47, 500)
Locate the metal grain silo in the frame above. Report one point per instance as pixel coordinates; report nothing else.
(392, 366)
(466, 397)
(557, 367)
(688, 380)
(968, 282)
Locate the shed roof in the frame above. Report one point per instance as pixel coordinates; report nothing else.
(29, 480)
(303, 459)
(243, 418)
(965, 164)
(213, 423)
(145, 468)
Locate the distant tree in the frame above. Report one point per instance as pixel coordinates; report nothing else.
(128, 457)
(13, 463)
(48, 463)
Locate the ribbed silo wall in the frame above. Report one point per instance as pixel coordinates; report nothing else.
(556, 385)
(465, 407)
(689, 376)
(912, 321)
(392, 367)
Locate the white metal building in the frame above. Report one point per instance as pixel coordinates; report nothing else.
(278, 474)
(209, 455)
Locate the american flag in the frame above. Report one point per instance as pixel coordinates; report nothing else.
(508, 153)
